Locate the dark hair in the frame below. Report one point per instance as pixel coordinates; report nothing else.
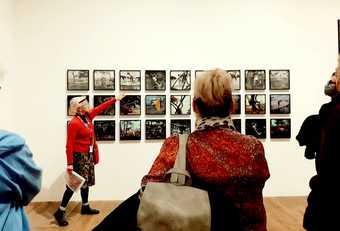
(219, 110)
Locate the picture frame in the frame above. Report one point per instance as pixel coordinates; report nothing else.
(68, 99)
(155, 80)
(77, 80)
(99, 99)
(338, 36)
(255, 79)
(130, 130)
(279, 103)
(255, 104)
(180, 126)
(155, 104)
(235, 78)
(130, 80)
(155, 129)
(198, 72)
(180, 104)
(279, 79)
(130, 105)
(280, 128)
(236, 109)
(105, 130)
(256, 128)
(180, 80)
(104, 80)
(237, 124)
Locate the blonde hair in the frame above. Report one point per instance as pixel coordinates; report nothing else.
(213, 89)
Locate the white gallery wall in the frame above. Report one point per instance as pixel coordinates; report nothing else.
(50, 37)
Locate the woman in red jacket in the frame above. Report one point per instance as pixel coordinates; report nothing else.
(81, 151)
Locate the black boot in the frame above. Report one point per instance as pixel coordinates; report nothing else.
(86, 209)
(59, 215)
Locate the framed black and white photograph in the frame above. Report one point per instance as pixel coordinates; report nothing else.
(155, 80)
(78, 80)
(180, 80)
(180, 126)
(130, 130)
(99, 99)
(130, 80)
(103, 79)
(237, 124)
(236, 109)
(255, 104)
(155, 104)
(279, 79)
(255, 79)
(235, 78)
(155, 129)
(130, 105)
(180, 105)
(280, 128)
(105, 130)
(68, 99)
(198, 73)
(256, 127)
(279, 104)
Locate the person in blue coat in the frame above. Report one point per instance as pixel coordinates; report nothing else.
(20, 181)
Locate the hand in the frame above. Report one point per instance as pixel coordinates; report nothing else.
(120, 96)
(69, 168)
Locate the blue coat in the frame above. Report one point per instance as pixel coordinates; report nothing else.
(20, 181)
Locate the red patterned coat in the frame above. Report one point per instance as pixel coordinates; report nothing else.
(224, 160)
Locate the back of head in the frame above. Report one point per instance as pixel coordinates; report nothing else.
(213, 93)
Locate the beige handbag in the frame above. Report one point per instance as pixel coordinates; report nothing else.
(174, 205)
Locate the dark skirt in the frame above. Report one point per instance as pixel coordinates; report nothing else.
(83, 164)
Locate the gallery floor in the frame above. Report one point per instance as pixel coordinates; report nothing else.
(283, 213)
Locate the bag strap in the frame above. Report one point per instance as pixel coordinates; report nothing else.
(179, 172)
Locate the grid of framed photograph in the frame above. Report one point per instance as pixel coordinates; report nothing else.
(255, 79)
(99, 99)
(180, 105)
(279, 104)
(78, 80)
(130, 105)
(180, 126)
(155, 80)
(130, 80)
(236, 78)
(155, 104)
(68, 99)
(280, 128)
(279, 79)
(130, 130)
(104, 80)
(180, 80)
(155, 129)
(105, 130)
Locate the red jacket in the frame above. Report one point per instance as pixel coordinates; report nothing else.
(226, 161)
(79, 136)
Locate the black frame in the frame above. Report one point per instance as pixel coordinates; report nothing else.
(197, 71)
(78, 89)
(147, 77)
(339, 36)
(121, 103)
(238, 125)
(148, 130)
(120, 80)
(283, 134)
(233, 111)
(180, 120)
(246, 77)
(188, 78)
(68, 99)
(104, 137)
(271, 81)
(263, 110)
(231, 72)
(272, 111)
(106, 112)
(132, 137)
(262, 129)
(171, 104)
(104, 89)
(164, 100)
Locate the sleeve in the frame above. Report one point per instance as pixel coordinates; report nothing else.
(71, 137)
(102, 107)
(96, 153)
(164, 161)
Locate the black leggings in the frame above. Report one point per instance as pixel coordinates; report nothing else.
(84, 192)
